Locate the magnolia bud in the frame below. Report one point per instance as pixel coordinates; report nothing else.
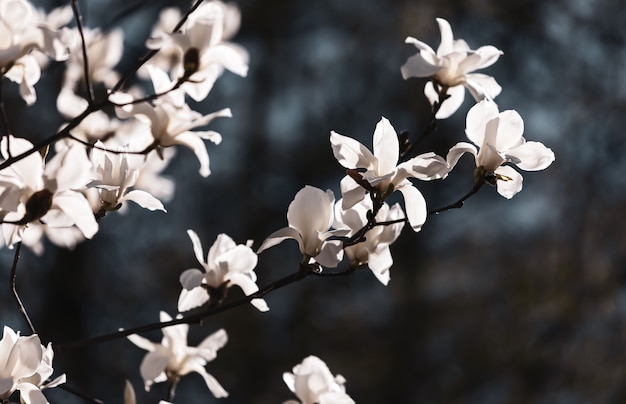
(37, 205)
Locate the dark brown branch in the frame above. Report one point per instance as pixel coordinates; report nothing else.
(79, 24)
(13, 289)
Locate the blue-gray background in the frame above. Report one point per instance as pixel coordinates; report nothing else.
(501, 301)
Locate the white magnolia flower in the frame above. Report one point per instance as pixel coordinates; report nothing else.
(313, 383)
(203, 50)
(499, 137)
(25, 365)
(374, 251)
(452, 66)
(227, 264)
(22, 32)
(104, 51)
(172, 358)
(45, 193)
(171, 124)
(382, 171)
(310, 217)
(113, 177)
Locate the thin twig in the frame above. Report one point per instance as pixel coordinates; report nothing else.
(6, 131)
(458, 204)
(77, 393)
(193, 318)
(79, 24)
(13, 289)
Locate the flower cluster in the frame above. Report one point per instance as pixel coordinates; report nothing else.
(117, 142)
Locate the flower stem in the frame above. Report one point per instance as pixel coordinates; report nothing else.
(21, 307)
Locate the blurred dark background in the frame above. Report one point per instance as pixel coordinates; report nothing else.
(502, 301)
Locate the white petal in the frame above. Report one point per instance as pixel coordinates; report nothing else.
(351, 192)
(196, 144)
(508, 189)
(142, 342)
(145, 200)
(77, 207)
(386, 147)
(350, 153)
(192, 298)
(197, 246)
(456, 151)
(418, 66)
(191, 278)
(510, 130)
(379, 263)
(152, 366)
(212, 383)
(477, 118)
(279, 236)
(446, 45)
(531, 156)
(415, 206)
(260, 304)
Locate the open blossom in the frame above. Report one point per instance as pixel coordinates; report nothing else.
(113, 176)
(172, 124)
(310, 216)
(46, 193)
(313, 383)
(383, 173)
(21, 32)
(499, 137)
(172, 358)
(203, 52)
(452, 67)
(227, 264)
(374, 250)
(25, 365)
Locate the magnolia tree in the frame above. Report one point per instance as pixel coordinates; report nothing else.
(114, 146)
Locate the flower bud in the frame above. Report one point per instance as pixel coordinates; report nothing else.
(37, 205)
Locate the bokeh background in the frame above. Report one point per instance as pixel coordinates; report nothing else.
(502, 301)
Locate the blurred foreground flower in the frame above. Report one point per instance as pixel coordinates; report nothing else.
(451, 67)
(313, 383)
(172, 358)
(25, 365)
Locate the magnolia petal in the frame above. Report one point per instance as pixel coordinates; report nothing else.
(145, 200)
(351, 192)
(510, 130)
(425, 167)
(197, 246)
(215, 341)
(446, 46)
(418, 66)
(482, 86)
(311, 211)
(212, 383)
(351, 153)
(152, 366)
(386, 147)
(192, 298)
(129, 393)
(191, 278)
(531, 156)
(456, 151)
(451, 104)
(415, 206)
(190, 140)
(260, 304)
(488, 55)
(330, 254)
(31, 394)
(142, 342)
(239, 259)
(477, 118)
(279, 236)
(508, 188)
(77, 207)
(222, 244)
(379, 263)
